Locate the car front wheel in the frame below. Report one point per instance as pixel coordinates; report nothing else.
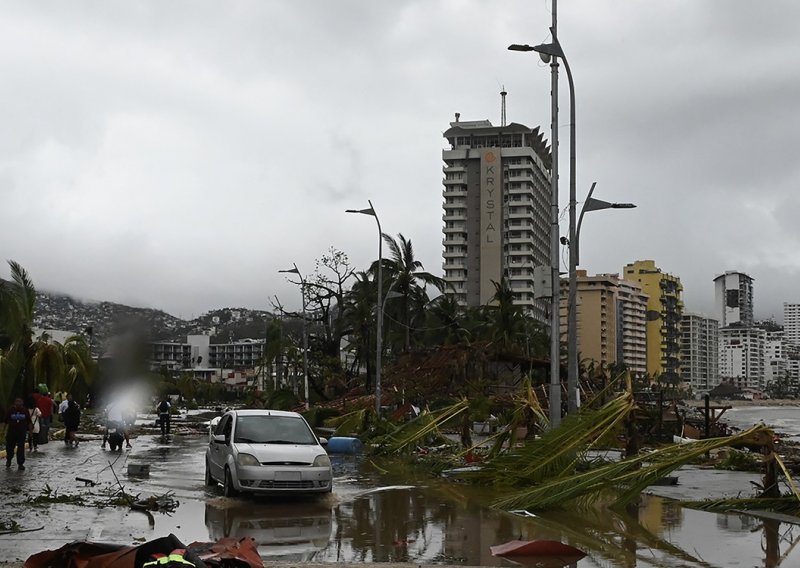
(227, 487)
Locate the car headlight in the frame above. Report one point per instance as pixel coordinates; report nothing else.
(247, 459)
(322, 461)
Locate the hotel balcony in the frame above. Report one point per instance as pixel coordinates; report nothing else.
(454, 239)
(459, 214)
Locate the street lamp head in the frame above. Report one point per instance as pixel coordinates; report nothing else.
(546, 51)
(367, 211)
(592, 204)
(519, 47)
(291, 270)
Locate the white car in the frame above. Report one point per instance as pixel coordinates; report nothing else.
(267, 452)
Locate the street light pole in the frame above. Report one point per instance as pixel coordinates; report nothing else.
(555, 323)
(573, 390)
(550, 54)
(296, 270)
(574, 258)
(378, 304)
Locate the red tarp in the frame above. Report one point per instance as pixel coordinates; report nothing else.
(550, 553)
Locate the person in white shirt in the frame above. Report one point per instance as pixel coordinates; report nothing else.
(63, 406)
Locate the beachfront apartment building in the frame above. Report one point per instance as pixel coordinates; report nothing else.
(496, 201)
(791, 322)
(742, 360)
(611, 320)
(664, 311)
(700, 352)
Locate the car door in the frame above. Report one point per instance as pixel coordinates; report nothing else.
(218, 450)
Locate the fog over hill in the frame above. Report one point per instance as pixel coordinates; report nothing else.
(105, 319)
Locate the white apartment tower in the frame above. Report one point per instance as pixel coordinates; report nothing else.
(775, 353)
(700, 352)
(733, 294)
(742, 353)
(496, 211)
(791, 323)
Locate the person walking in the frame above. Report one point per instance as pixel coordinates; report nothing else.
(19, 424)
(72, 419)
(62, 407)
(36, 424)
(45, 404)
(163, 415)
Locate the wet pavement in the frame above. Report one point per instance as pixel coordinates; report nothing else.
(373, 515)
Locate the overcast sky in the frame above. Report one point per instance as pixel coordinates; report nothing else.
(178, 154)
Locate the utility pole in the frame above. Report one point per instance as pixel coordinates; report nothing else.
(555, 320)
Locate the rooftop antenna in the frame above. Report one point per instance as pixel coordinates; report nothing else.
(503, 94)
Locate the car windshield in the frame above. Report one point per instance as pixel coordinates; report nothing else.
(264, 429)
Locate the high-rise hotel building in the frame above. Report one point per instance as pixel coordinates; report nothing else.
(733, 294)
(496, 211)
(791, 323)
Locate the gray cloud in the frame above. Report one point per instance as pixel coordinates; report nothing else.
(178, 154)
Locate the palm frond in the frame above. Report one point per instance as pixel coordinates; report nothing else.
(787, 504)
(25, 289)
(558, 450)
(348, 424)
(418, 430)
(629, 476)
(611, 387)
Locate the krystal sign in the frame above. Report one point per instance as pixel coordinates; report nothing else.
(491, 247)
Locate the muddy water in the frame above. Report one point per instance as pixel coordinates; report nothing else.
(394, 514)
(379, 513)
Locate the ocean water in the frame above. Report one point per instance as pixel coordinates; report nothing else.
(783, 419)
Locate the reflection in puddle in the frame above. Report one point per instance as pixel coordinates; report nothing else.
(294, 529)
(408, 517)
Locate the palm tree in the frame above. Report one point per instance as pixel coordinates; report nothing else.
(17, 301)
(359, 310)
(66, 367)
(406, 276)
(446, 322)
(505, 322)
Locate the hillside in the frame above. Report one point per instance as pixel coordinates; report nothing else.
(106, 319)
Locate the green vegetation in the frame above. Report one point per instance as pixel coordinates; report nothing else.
(24, 362)
(737, 460)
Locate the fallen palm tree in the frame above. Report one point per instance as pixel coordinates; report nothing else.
(421, 430)
(625, 479)
(558, 451)
(348, 424)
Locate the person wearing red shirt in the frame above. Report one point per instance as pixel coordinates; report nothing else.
(45, 404)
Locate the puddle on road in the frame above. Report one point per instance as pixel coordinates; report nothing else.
(402, 516)
(372, 517)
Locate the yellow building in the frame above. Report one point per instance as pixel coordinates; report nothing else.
(664, 311)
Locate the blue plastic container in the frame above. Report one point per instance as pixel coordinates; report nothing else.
(344, 445)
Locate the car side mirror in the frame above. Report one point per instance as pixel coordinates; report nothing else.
(219, 439)
(323, 442)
